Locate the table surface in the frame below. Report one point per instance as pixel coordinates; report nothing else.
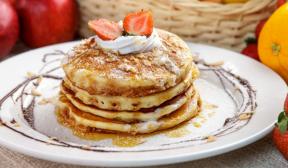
(259, 154)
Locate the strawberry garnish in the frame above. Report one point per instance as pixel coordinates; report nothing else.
(139, 23)
(282, 122)
(105, 29)
(280, 133)
(281, 141)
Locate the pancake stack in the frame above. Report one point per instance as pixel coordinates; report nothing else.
(140, 93)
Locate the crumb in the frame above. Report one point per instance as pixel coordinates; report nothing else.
(210, 106)
(52, 100)
(237, 89)
(127, 68)
(16, 125)
(39, 80)
(217, 63)
(30, 74)
(35, 92)
(211, 138)
(245, 116)
(43, 101)
(86, 147)
(197, 125)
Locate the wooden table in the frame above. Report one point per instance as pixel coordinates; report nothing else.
(262, 154)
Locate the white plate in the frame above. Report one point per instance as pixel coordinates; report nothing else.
(49, 140)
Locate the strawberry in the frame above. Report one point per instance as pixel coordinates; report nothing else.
(280, 134)
(251, 51)
(259, 28)
(280, 3)
(139, 23)
(281, 142)
(105, 29)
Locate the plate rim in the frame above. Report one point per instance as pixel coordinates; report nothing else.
(180, 158)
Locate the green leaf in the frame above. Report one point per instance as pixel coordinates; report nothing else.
(282, 122)
(251, 40)
(283, 126)
(281, 116)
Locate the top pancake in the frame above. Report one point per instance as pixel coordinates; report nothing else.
(105, 72)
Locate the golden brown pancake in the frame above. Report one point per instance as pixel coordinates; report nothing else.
(104, 72)
(131, 116)
(66, 111)
(122, 103)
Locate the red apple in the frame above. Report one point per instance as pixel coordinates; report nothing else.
(45, 22)
(12, 2)
(9, 27)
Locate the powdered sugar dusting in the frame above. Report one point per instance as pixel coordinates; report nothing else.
(164, 60)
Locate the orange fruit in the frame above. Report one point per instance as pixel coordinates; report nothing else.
(273, 42)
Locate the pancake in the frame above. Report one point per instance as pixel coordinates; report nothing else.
(105, 72)
(131, 116)
(88, 122)
(136, 93)
(121, 103)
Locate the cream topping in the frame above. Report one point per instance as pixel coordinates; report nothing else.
(131, 44)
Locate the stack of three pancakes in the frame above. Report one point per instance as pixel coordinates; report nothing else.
(134, 93)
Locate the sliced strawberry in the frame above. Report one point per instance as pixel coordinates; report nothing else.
(139, 23)
(105, 29)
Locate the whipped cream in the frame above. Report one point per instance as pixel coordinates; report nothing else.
(131, 44)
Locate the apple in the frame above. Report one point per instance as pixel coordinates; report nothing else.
(45, 22)
(9, 28)
(12, 2)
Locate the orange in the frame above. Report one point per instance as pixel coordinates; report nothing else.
(273, 42)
